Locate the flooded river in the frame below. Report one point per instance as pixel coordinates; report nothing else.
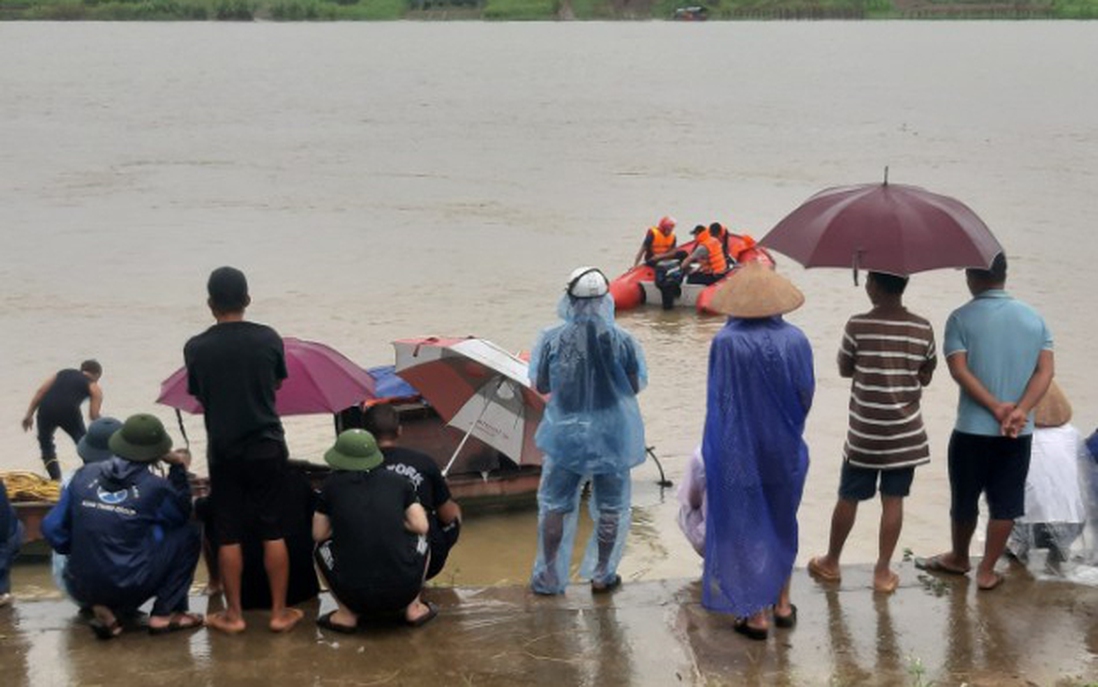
(382, 181)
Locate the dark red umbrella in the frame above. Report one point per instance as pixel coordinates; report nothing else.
(886, 227)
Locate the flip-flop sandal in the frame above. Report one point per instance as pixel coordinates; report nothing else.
(325, 621)
(104, 630)
(819, 572)
(788, 621)
(757, 633)
(606, 587)
(934, 564)
(178, 624)
(432, 611)
(999, 579)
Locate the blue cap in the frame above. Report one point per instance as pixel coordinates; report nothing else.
(93, 447)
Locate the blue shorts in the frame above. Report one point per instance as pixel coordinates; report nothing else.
(994, 466)
(860, 484)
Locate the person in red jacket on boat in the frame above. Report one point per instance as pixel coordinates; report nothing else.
(659, 243)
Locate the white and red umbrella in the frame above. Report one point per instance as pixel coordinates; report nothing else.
(478, 388)
(319, 379)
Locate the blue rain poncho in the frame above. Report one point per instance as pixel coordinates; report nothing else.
(591, 429)
(593, 370)
(761, 385)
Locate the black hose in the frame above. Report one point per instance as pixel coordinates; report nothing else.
(663, 481)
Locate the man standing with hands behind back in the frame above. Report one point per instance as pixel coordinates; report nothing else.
(999, 352)
(234, 369)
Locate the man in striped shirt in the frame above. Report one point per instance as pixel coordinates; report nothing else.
(889, 354)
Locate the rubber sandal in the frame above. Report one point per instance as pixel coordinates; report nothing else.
(325, 621)
(105, 630)
(820, 573)
(934, 564)
(606, 587)
(177, 624)
(786, 622)
(432, 611)
(756, 633)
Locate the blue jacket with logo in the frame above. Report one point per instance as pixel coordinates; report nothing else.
(110, 519)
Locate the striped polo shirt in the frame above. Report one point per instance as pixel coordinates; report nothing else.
(887, 353)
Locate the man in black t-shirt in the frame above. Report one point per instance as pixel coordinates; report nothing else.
(57, 404)
(443, 513)
(371, 537)
(234, 369)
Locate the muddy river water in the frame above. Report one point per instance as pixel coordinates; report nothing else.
(381, 181)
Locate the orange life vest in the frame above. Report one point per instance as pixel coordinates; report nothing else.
(716, 263)
(739, 244)
(661, 243)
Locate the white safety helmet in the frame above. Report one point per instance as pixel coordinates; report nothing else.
(587, 282)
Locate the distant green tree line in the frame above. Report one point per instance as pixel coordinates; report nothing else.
(517, 10)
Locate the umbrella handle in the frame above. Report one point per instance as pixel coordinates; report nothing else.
(487, 401)
(182, 429)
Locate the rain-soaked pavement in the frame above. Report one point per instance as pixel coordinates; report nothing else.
(934, 630)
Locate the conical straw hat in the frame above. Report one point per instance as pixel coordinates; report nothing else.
(1053, 409)
(755, 290)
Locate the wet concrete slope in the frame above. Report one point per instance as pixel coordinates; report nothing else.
(933, 630)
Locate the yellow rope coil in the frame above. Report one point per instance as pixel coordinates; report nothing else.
(30, 486)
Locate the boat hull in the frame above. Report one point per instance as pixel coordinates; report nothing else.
(637, 286)
(481, 478)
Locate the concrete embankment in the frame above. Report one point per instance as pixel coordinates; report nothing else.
(933, 630)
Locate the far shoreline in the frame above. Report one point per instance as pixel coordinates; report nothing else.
(541, 10)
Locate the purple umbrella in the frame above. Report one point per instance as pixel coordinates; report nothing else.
(890, 228)
(320, 380)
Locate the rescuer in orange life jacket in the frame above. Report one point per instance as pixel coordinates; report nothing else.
(709, 254)
(659, 243)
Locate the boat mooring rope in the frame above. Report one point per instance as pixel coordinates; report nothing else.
(23, 485)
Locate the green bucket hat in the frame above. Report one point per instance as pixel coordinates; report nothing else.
(142, 439)
(355, 449)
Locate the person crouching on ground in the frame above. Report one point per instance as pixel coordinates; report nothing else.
(371, 537)
(92, 448)
(760, 389)
(126, 529)
(432, 491)
(11, 536)
(1055, 514)
(592, 426)
(692, 505)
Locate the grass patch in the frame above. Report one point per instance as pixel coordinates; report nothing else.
(520, 10)
(531, 10)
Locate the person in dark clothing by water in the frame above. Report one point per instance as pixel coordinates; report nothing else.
(234, 369)
(371, 537)
(298, 504)
(127, 532)
(443, 513)
(11, 536)
(57, 404)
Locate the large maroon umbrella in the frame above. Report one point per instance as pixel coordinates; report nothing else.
(886, 227)
(319, 379)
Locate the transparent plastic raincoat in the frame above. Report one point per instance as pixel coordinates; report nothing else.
(1055, 508)
(592, 427)
(761, 384)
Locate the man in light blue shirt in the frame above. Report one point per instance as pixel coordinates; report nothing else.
(999, 352)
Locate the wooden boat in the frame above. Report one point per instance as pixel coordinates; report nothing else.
(481, 478)
(640, 285)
